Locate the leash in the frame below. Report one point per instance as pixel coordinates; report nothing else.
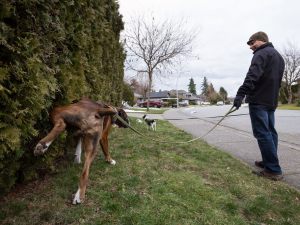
(208, 117)
(231, 110)
(116, 116)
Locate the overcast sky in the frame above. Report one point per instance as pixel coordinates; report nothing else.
(224, 28)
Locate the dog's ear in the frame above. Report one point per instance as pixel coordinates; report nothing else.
(121, 113)
(124, 116)
(106, 111)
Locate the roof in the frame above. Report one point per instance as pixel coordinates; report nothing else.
(160, 94)
(180, 92)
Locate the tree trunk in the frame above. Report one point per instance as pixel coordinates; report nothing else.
(283, 93)
(290, 94)
(149, 89)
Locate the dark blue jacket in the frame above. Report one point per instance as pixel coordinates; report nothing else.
(263, 80)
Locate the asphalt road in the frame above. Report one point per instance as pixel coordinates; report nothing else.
(234, 134)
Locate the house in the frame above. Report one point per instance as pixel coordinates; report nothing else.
(155, 96)
(187, 98)
(159, 95)
(137, 97)
(184, 97)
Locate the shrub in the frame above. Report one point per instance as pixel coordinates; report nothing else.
(51, 53)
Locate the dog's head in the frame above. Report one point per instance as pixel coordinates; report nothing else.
(144, 117)
(123, 115)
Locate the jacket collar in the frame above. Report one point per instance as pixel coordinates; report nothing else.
(268, 44)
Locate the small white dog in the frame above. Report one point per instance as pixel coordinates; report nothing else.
(151, 123)
(139, 120)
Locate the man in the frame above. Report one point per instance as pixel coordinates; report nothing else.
(261, 88)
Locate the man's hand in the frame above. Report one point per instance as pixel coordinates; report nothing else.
(238, 101)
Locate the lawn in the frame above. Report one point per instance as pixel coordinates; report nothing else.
(289, 107)
(156, 183)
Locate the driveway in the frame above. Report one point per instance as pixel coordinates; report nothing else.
(234, 134)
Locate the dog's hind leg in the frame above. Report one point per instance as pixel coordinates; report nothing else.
(104, 147)
(78, 151)
(44, 144)
(90, 144)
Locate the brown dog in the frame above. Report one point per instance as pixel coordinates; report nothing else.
(108, 122)
(93, 121)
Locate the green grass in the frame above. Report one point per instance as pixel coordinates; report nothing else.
(289, 107)
(154, 183)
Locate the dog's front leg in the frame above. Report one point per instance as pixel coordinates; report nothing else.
(90, 144)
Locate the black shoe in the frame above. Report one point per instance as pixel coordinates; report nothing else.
(259, 164)
(268, 175)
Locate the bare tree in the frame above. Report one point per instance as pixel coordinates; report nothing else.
(153, 47)
(139, 86)
(291, 75)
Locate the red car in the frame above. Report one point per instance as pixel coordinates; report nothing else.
(151, 104)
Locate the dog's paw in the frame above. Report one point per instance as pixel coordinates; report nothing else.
(40, 149)
(112, 162)
(76, 199)
(77, 159)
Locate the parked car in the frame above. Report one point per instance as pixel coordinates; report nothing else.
(151, 104)
(183, 104)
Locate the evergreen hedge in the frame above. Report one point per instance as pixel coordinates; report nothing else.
(51, 53)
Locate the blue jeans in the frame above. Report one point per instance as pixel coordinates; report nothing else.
(263, 122)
